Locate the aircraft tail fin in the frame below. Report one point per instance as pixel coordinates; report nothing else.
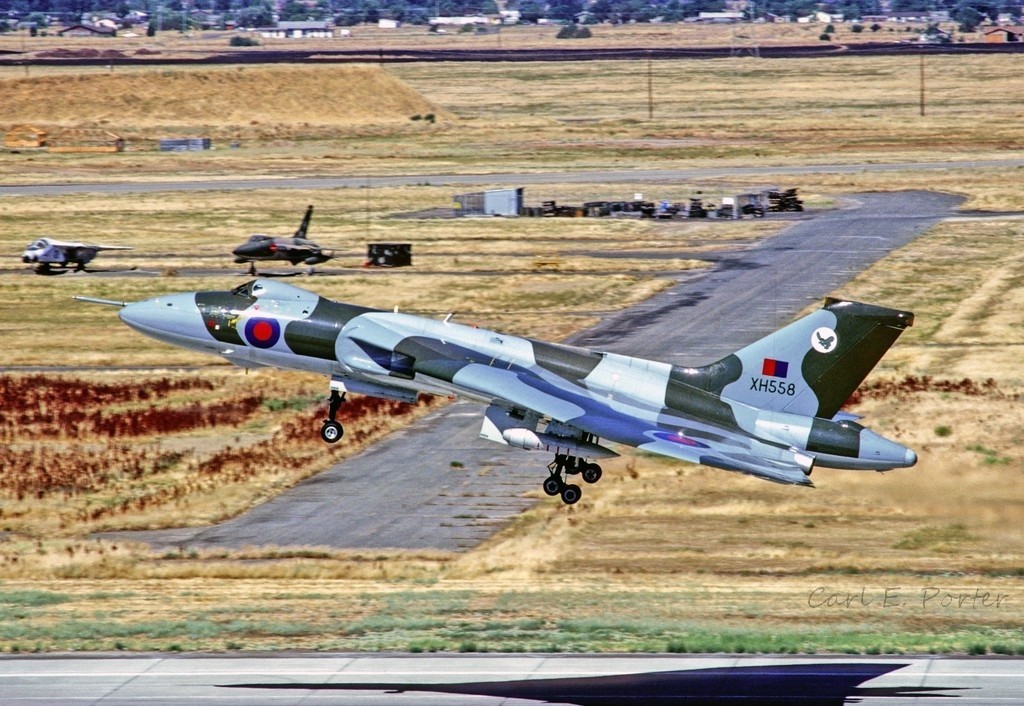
(304, 226)
(814, 364)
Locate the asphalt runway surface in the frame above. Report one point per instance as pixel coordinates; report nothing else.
(603, 176)
(506, 680)
(438, 485)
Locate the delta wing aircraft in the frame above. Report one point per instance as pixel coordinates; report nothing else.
(46, 252)
(771, 410)
(296, 249)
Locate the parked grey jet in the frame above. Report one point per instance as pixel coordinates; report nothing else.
(46, 252)
(771, 410)
(262, 248)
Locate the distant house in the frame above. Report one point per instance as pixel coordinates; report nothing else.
(459, 21)
(999, 35)
(720, 17)
(88, 31)
(921, 16)
(299, 30)
(385, 23)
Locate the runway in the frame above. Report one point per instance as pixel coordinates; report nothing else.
(603, 176)
(506, 680)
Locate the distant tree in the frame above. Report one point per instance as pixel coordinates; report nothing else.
(601, 11)
(531, 10)
(373, 12)
(830, 29)
(565, 9)
(857, 28)
(698, 6)
(875, 27)
(967, 18)
(295, 11)
(260, 15)
(673, 11)
(910, 5)
(573, 31)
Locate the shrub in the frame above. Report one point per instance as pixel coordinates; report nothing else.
(240, 41)
(573, 31)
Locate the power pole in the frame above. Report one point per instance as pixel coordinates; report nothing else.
(650, 88)
(921, 100)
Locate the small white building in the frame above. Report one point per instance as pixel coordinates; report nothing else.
(383, 23)
(720, 17)
(318, 29)
(460, 21)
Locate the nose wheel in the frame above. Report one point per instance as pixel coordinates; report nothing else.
(332, 431)
(563, 466)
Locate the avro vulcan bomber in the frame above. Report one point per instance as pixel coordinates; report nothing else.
(770, 410)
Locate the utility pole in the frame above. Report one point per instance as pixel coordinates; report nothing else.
(921, 100)
(650, 88)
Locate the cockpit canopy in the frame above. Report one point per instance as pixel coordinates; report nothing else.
(276, 291)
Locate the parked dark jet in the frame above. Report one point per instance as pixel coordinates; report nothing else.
(770, 410)
(297, 249)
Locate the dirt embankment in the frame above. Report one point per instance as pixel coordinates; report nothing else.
(290, 97)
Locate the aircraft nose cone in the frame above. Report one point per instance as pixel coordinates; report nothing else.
(911, 457)
(174, 319)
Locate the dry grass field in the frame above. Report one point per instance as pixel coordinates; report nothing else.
(371, 39)
(660, 556)
(495, 117)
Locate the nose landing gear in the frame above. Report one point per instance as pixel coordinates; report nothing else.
(555, 484)
(332, 431)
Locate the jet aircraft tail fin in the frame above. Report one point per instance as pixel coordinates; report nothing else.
(304, 226)
(814, 364)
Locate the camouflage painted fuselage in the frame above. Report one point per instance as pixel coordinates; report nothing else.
(770, 410)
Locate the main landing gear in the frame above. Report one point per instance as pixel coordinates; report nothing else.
(555, 484)
(332, 431)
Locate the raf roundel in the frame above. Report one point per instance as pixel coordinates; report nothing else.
(262, 333)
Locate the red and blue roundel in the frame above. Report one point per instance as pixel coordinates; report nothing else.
(262, 333)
